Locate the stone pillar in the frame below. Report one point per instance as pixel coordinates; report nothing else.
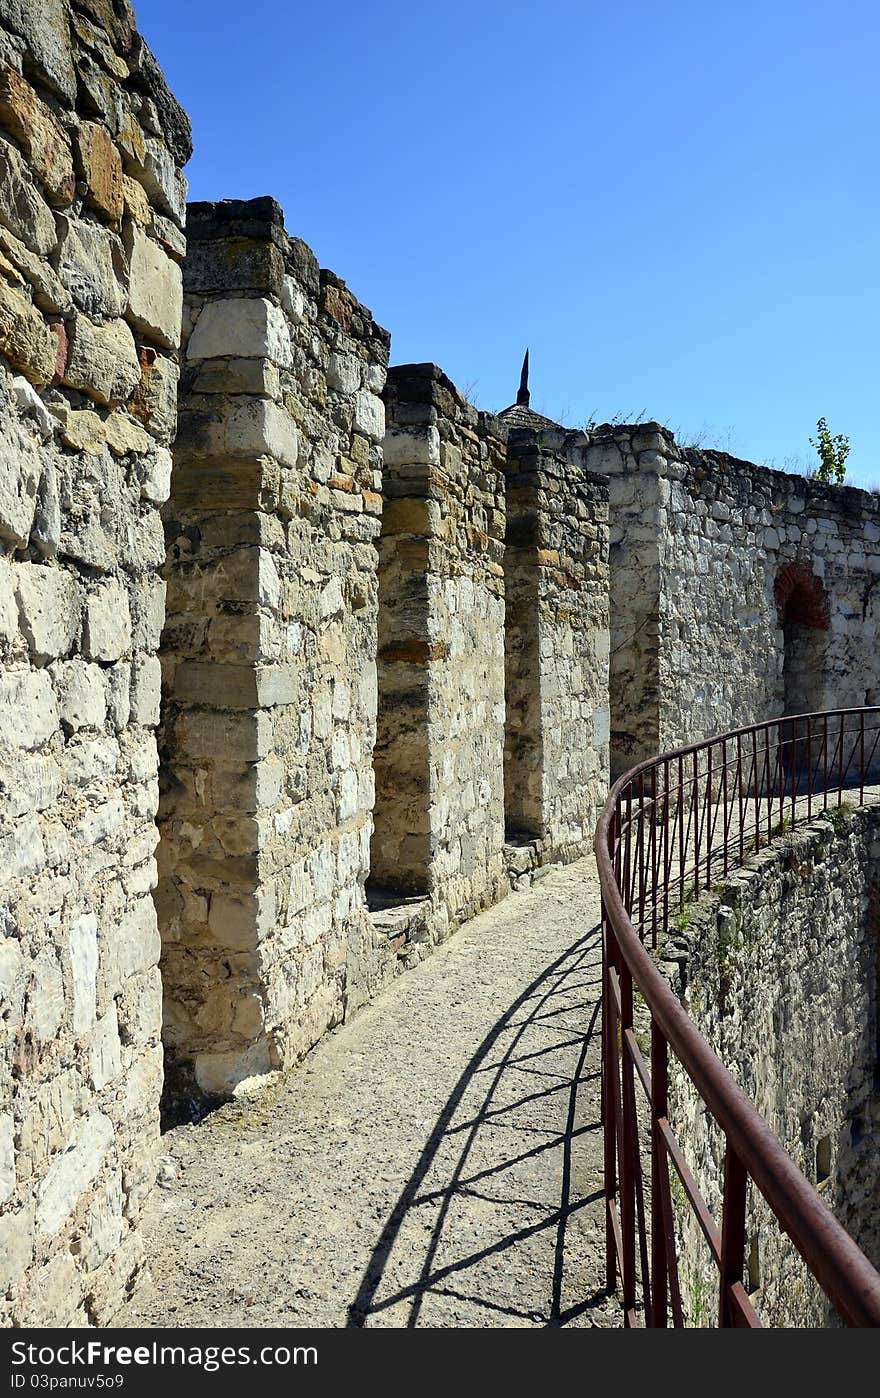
(440, 802)
(632, 458)
(91, 213)
(557, 646)
(269, 651)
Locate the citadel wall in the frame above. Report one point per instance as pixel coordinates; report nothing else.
(778, 969)
(737, 593)
(91, 213)
(439, 818)
(269, 650)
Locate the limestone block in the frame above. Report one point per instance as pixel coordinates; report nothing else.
(103, 361)
(410, 448)
(83, 947)
(40, 133)
(20, 473)
(49, 605)
(154, 402)
(16, 1246)
(44, 24)
(146, 690)
(91, 265)
(241, 327)
(257, 376)
(257, 266)
(124, 436)
(104, 1229)
(292, 300)
(45, 997)
(48, 291)
(155, 290)
(101, 167)
(156, 477)
(222, 1072)
(73, 1171)
(245, 427)
(369, 415)
(82, 701)
(8, 604)
(157, 170)
(29, 783)
(148, 614)
(107, 632)
(25, 338)
(81, 429)
(28, 711)
(136, 944)
(106, 1050)
(7, 1157)
(23, 210)
(135, 201)
(30, 404)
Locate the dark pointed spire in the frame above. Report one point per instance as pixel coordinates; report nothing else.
(523, 396)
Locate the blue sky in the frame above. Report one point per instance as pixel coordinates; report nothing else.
(675, 205)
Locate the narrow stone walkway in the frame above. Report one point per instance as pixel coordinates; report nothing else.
(437, 1162)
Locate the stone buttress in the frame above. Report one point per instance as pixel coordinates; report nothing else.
(269, 650)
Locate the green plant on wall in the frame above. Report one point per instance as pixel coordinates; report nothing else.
(833, 451)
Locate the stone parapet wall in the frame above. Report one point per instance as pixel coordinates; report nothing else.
(91, 213)
(557, 648)
(269, 650)
(778, 969)
(439, 784)
(702, 546)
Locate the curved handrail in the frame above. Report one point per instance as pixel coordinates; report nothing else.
(753, 1150)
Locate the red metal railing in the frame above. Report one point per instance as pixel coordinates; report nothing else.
(670, 827)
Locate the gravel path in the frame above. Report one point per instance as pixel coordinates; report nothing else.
(436, 1162)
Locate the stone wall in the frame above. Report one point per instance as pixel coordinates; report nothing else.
(737, 593)
(778, 969)
(557, 646)
(439, 819)
(269, 651)
(91, 211)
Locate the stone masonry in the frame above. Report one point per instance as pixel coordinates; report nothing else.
(778, 969)
(737, 593)
(269, 650)
(439, 818)
(557, 645)
(91, 218)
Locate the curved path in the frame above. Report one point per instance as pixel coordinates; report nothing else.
(436, 1162)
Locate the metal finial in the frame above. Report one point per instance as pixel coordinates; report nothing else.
(523, 395)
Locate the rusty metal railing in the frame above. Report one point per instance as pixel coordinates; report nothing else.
(671, 827)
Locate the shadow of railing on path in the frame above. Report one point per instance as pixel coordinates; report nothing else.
(472, 1174)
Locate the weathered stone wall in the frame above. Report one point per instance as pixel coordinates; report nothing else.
(557, 646)
(704, 549)
(269, 650)
(439, 820)
(91, 211)
(778, 969)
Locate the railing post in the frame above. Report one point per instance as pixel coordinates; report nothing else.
(609, 1100)
(660, 1263)
(733, 1234)
(629, 1145)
